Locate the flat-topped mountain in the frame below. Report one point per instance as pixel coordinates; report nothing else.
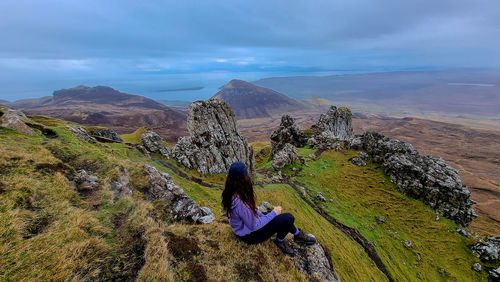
(94, 95)
(105, 106)
(252, 101)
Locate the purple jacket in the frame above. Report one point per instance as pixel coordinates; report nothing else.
(242, 219)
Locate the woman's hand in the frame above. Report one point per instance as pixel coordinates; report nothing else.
(277, 210)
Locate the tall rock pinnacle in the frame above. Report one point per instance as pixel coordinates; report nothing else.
(214, 140)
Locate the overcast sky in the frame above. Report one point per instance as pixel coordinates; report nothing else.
(50, 39)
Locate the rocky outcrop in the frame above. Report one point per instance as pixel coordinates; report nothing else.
(287, 155)
(121, 187)
(334, 124)
(214, 140)
(421, 177)
(287, 133)
(494, 274)
(314, 262)
(85, 182)
(155, 144)
(161, 187)
(106, 133)
(357, 161)
(81, 133)
(364, 156)
(320, 196)
(12, 119)
(487, 250)
(265, 207)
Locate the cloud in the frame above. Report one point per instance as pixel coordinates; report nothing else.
(122, 36)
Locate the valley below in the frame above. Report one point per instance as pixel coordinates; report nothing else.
(473, 151)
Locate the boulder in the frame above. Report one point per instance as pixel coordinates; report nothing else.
(463, 232)
(161, 187)
(422, 177)
(106, 133)
(142, 149)
(357, 161)
(314, 261)
(265, 207)
(81, 133)
(12, 119)
(155, 144)
(494, 274)
(121, 187)
(214, 140)
(320, 196)
(407, 243)
(85, 182)
(364, 156)
(334, 124)
(312, 141)
(287, 155)
(487, 250)
(477, 267)
(287, 133)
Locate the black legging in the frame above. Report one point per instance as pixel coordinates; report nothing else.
(281, 225)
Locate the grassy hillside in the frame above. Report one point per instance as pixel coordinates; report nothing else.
(49, 231)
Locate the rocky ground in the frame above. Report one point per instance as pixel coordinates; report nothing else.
(73, 207)
(476, 158)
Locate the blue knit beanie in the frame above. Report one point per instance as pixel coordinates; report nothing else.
(238, 170)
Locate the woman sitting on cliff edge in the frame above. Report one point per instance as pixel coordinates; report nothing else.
(248, 223)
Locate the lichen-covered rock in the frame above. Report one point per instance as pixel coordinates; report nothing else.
(421, 177)
(463, 232)
(320, 196)
(313, 261)
(477, 267)
(312, 141)
(265, 207)
(287, 133)
(364, 156)
(121, 187)
(487, 250)
(334, 124)
(155, 144)
(12, 119)
(107, 133)
(357, 161)
(85, 182)
(161, 187)
(287, 155)
(214, 140)
(142, 149)
(81, 133)
(494, 274)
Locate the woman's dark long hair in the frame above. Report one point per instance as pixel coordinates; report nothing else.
(242, 188)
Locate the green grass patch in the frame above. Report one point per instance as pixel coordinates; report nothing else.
(134, 137)
(356, 195)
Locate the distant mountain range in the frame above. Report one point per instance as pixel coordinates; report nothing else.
(459, 92)
(106, 106)
(252, 101)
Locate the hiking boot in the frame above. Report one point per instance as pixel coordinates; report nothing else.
(303, 238)
(285, 247)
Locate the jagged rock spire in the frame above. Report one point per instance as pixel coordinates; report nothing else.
(214, 140)
(335, 124)
(288, 132)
